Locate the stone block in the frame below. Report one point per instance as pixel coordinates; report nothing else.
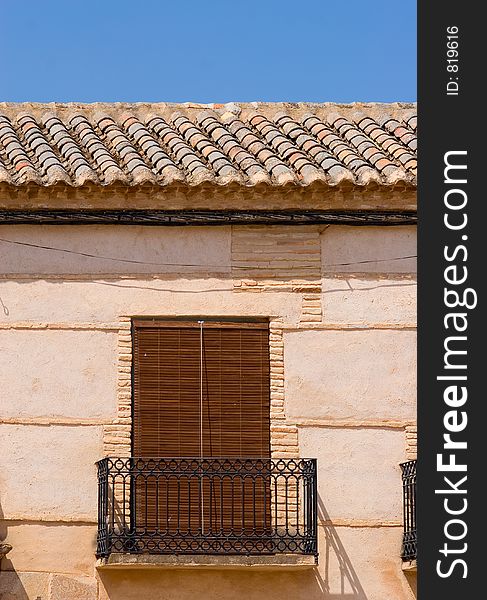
(347, 249)
(52, 548)
(65, 587)
(350, 375)
(358, 471)
(104, 300)
(368, 301)
(24, 586)
(134, 249)
(70, 374)
(50, 472)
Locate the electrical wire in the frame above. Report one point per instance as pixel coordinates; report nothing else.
(100, 257)
(157, 264)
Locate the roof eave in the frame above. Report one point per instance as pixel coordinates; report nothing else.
(317, 196)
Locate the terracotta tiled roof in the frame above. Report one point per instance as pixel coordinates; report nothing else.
(190, 144)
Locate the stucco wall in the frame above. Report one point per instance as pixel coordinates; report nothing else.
(35, 362)
(343, 390)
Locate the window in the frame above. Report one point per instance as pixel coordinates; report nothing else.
(201, 390)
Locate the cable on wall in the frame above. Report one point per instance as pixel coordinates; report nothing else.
(201, 425)
(156, 264)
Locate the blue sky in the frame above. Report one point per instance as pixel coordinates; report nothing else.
(208, 51)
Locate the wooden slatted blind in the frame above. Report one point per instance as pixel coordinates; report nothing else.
(173, 364)
(236, 390)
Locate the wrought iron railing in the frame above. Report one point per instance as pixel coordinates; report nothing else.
(207, 506)
(409, 540)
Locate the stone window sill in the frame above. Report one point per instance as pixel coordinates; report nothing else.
(198, 561)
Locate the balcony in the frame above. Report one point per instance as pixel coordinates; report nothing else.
(409, 541)
(207, 512)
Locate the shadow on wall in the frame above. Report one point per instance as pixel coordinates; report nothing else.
(11, 587)
(333, 547)
(313, 584)
(411, 578)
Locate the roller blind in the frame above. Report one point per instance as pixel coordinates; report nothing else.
(201, 392)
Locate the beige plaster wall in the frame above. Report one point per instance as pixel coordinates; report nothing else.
(343, 390)
(51, 548)
(351, 374)
(50, 472)
(379, 250)
(101, 300)
(369, 301)
(130, 249)
(62, 373)
(361, 465)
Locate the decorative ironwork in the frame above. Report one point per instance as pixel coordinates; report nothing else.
(207, 506)
(409, 542)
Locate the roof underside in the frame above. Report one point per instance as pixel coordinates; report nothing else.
(184, 145)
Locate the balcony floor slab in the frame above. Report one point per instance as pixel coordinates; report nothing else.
(202, 561)
(410, 566)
